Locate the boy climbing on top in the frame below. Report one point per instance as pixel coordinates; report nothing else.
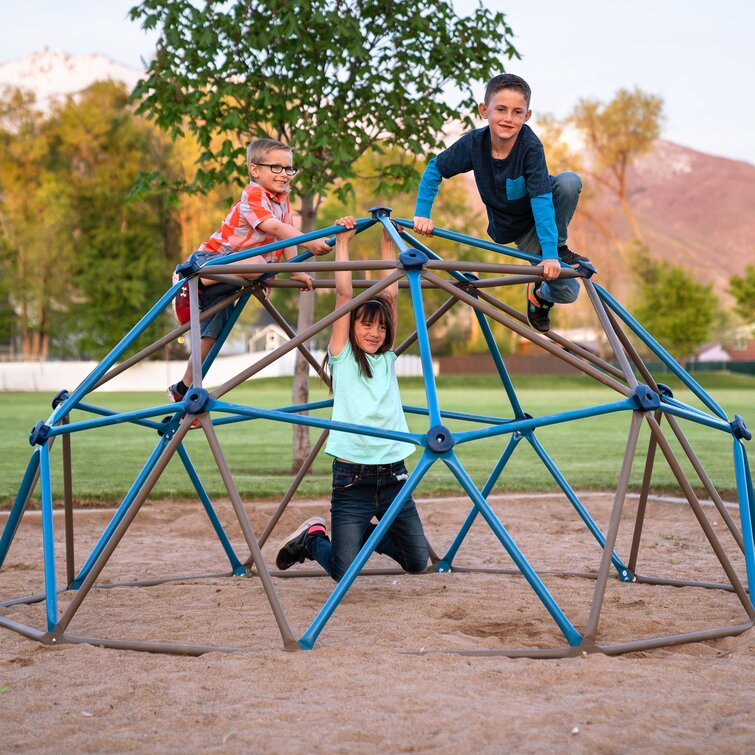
(525, 205)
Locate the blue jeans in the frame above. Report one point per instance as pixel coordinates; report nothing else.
(361, 492)
(566, 188)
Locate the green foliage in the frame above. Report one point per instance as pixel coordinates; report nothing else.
(125, 250)
(81, 257)
(616, 134)
(332, 78)
(621, 130)
(677, 310)
(743, 290)
(36, 204)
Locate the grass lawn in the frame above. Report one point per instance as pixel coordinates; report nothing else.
(588, 452)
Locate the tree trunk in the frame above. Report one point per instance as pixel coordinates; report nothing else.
(300, 394)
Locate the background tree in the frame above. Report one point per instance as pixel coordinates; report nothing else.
(743, 290)
(33, 213)
(124, 250)
(677, 310)
(332, 78)
(616, 134)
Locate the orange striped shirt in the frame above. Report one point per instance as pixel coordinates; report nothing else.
(240, 231)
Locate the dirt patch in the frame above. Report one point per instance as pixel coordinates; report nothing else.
(377, 678)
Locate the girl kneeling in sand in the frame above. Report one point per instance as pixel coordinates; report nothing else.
(368, 472)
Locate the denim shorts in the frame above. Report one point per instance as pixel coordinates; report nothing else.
(213, 326)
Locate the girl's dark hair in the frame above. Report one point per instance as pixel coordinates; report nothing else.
(373, 308)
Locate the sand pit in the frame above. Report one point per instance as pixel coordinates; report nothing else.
(377, 678)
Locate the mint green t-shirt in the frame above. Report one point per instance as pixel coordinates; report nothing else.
(375, 402)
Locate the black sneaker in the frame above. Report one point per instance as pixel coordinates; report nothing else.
(537, 310)
(293, 549)
(176, 398)
(174, 395)
(568, 257)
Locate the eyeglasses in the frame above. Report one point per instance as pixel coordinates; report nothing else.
(277, 168)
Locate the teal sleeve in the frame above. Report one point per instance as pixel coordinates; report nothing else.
(545, 224)
(428, 190)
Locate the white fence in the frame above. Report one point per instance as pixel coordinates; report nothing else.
(156, 375)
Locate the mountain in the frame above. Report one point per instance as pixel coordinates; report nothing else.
(53, 74)
(697, 210)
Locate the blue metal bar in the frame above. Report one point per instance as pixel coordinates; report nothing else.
(573, 637)
(423, 341)
(479, 243)
(486, 330)
(550, 419)
(323, 424)
(693, 415)
(433, 256)
(236, 565)
(746, 512)
(619, 565)
(48, 538)
(445, 563)
(298, 408)
(114, 419)
(244, 254)
(223, 335)
(660, 352)
(126, 342)
(499, 363)
(308, 639)
(668, 400)
(362, 225)
(103, 412)
(19, 504)
(390, 229)
(458, 415)
(121, 512)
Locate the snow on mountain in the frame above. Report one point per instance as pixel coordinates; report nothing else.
(54, 74)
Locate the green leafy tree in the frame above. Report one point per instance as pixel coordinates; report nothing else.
(125, 249)
(33, 212)
(616, 134)
(742, 289)
(677, 310)
(332, 78)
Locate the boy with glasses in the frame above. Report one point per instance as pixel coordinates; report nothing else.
(525, 205)
(261, 216)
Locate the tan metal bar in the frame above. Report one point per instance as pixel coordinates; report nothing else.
(166, 339)
(123, 525)
(528, 334)
(642, 504)
(307, 266)
(434, 317)
(700, 514)
(289, 641)
(306, 334)
(600, 311)
(613, 530)
(292, 488)
(565, 343)
(291, 333)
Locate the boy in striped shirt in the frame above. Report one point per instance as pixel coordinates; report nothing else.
(261, 216)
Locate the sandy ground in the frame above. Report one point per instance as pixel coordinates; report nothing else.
(380, 677)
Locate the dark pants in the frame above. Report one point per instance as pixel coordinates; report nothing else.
(361, 492)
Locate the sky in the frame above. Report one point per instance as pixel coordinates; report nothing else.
(697, 55)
